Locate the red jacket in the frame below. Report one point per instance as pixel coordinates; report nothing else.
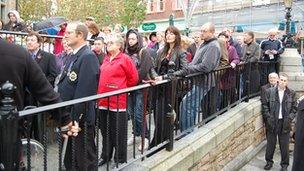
(58, 46)
(117, 74)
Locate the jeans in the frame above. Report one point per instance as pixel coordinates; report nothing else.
(190, 106)
(136, 111)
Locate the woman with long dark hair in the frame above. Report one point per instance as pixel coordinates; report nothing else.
(136, 100)
(170, 58)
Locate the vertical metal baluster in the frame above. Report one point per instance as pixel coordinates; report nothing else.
(28, 144)
(150, 90)
(133, 101)
(164, 106)
(97, 111)
(59, 141)
(85, 134)
(44, 142)
(157, 112)
(117, 149)
(73, 153)
(108, 135)
(143, 125)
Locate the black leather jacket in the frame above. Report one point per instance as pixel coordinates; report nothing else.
(271, 107)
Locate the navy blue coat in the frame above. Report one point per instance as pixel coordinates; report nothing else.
(80, 79)
(271, 45)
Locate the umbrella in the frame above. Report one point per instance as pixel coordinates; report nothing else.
(49, 23)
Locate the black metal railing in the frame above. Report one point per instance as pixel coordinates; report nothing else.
(170, 110)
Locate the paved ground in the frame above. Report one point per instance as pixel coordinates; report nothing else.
(258, 162)
(52, 153)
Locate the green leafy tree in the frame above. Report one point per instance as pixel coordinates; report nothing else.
(129, 13)
(34, 10)
(133, 13)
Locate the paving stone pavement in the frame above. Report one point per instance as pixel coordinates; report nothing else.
(52, 152)
(258, 162)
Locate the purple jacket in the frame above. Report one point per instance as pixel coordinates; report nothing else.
(228, 79)
(232, 55)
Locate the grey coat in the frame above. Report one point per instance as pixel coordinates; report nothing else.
(206, 59)
(251, 52)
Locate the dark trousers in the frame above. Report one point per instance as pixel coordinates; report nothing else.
(283, 143)
(114, 130)
(82, 163)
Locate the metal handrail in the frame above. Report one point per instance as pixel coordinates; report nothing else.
(112, 93)
(88, 98)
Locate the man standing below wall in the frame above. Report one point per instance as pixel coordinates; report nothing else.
(279, 109)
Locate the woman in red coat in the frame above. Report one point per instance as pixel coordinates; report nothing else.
(116, 72)
(58, 45)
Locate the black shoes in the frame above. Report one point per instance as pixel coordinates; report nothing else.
(102, 162)
(268, 166)
(284, 168)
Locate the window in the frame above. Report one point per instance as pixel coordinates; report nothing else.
(160, 5)
(155, 6)
(177, 5)
(2, 12)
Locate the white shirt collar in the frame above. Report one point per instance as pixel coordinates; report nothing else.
(76, 50)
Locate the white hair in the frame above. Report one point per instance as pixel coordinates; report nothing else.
(273, 74)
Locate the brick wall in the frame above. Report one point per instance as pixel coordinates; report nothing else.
(165, 14)
(214, 145)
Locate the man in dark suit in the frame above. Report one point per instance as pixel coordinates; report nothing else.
(47, 63)
(279, 109)
(298, 154)
(18, 68)
(45, 60)
(79, 79)
(197, 43)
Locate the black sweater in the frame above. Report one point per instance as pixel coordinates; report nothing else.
(17, 67)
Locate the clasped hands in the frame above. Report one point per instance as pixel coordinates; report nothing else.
(71, 129)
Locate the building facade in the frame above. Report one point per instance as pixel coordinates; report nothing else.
(5, 6)
(158, 14)
(253, 15)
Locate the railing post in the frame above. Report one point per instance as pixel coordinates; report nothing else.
(248, 86)
(171, 114)
(9, 142)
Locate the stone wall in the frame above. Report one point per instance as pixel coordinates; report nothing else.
(213, 145)
(245, 136)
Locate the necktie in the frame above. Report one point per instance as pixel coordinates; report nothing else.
(33, 56)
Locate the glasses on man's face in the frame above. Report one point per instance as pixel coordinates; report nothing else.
(69, 33)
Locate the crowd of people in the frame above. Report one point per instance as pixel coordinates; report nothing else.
(111, 60)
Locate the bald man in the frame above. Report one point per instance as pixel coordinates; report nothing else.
(206, 59)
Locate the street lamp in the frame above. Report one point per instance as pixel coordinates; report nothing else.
(171, 20)
(287, 38)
